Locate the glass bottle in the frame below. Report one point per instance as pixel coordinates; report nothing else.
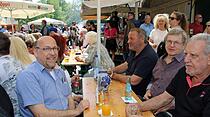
(76, 86)
(128, 89)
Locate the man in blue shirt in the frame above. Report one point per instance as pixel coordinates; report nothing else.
(43, 89)
(139, 64)
(147, 26)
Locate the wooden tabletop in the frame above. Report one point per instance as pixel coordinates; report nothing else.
(116, 91)
(70, 59)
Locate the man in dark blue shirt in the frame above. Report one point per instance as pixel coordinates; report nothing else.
(139, 64)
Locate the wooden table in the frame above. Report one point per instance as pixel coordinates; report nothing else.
(116, 91)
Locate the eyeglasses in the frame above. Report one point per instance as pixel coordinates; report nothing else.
(208, 25)
(130, 15)
(172, 18)
(176, 43)
(48, 49)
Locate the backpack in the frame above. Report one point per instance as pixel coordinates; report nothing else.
(161, 50)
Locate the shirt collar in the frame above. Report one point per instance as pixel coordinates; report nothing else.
(179, 57)
(204, 82)
(134, 53)
(41, 67)
(5, 56)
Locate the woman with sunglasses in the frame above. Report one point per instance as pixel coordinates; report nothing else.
(207, 30)
(178, 20)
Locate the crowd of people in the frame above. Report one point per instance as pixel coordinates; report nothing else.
(169, 71)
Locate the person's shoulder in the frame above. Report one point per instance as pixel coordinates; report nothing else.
(142, 25)
(182, 71)
(150, 52)
(191, 24)
(154, 30)
(9, 61)
(29, 69)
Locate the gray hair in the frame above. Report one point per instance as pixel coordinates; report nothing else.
(203, 37)
(91, 37)
(141, 33)
(177, 31)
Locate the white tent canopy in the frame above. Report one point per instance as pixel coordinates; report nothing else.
(23, 9)
(107, 3)
(48, 20)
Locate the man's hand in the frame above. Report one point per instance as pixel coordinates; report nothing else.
(75, 78)
(84, 104)
(77, 98)
(132, 110)
(109, 71)
(154, 46)
(147, 95)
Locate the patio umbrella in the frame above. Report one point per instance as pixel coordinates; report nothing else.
(23, 9)
(49, 21)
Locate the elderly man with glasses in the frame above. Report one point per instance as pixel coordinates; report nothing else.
(167, 66)
(43, 89)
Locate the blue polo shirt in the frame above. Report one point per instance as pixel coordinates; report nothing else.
(35, 85)
(147, 28)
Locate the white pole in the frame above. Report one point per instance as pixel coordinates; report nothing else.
(11, 21)
(98, 34)
(136, 10)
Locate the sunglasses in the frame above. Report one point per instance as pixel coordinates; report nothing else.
(208, 25)
(172, 18)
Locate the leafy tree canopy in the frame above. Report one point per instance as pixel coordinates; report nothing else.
(64, 11)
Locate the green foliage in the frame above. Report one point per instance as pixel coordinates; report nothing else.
(67, 12)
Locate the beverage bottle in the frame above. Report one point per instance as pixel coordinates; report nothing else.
(99, 91)
(128, 89)
(76, 86)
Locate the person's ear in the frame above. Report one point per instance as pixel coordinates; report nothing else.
(35, 52)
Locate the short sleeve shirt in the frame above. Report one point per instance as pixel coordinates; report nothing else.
(190, 101)
(142, 66)
(163, 73)
(35, 85)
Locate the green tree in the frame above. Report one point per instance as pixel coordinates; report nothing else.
(67, 12)
(73, 13)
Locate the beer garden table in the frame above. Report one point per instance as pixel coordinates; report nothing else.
(115, 92)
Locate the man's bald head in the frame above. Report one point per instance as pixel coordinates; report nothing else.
(44, 39)
(46, 51)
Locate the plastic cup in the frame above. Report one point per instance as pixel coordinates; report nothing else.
(106, 110)
(134, 110)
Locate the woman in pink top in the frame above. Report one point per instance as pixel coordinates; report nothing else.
(110, 34)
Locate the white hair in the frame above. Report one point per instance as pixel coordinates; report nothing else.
(204, 37)
(91, 37)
